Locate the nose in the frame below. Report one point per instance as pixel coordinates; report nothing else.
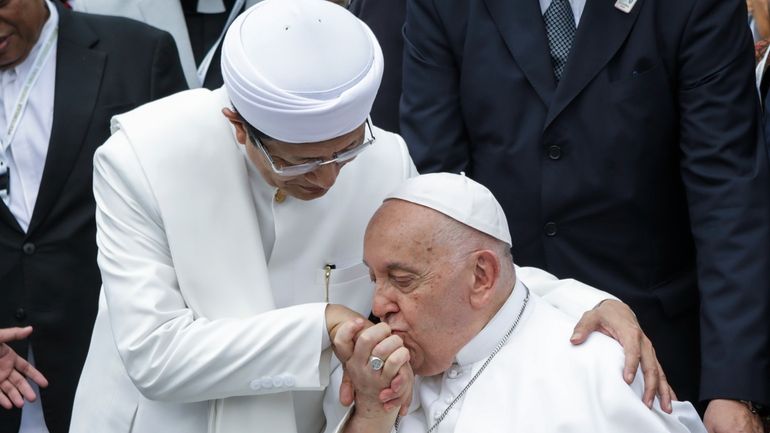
(324, 176)
(382, 305)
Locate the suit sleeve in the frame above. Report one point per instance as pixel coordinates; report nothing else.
(431, 119)
(169, 352)
(724, 168)
(167, 74)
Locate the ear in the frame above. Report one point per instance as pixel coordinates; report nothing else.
(240, 129)
(486, 272)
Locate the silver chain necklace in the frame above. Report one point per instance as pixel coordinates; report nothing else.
(478, 373)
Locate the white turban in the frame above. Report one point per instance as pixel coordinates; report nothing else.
(458, 197)
(301, 70)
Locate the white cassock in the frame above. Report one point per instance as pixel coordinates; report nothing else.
(539, 382)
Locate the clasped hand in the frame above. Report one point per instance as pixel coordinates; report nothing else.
(375, 392)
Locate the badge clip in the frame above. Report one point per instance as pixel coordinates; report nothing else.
(625, 5)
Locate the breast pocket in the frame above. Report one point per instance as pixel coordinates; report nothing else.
(352, 287)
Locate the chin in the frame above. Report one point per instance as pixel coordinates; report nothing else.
(307, 196)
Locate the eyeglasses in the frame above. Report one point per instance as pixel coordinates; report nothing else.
(289, 170)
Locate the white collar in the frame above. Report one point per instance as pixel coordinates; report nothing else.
(482, 345)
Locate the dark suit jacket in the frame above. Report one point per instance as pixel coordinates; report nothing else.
(386, 19)
(642, 173)
(48, 277)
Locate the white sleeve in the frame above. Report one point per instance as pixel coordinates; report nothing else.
(168, 351)
(619, 406)
(570, 296)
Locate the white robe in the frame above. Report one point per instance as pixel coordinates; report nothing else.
(190, 336)
(540, 383)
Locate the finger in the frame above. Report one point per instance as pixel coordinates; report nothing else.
(347, 393)
(366, 342)
(384, 348)
(21, 384)
(408, 374)
(4, 402)
(398, 368)
(651, 373)
(673, 394)
(632, 348)
(589, 323)
(664, 391)
(344, 339)
(13, 334)
(25, 368)
(393, 364)
(12, 393)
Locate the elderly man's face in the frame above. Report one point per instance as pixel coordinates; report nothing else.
(20, 24)
(421, 286)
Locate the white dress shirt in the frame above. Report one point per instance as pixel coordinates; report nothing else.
(25, 155)
(577, 8)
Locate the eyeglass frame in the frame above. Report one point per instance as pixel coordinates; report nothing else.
(309, 167)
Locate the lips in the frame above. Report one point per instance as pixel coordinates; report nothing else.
(4, 41)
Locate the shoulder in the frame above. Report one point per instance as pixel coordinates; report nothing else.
(552, 329)
(186, 126)
(109, 27)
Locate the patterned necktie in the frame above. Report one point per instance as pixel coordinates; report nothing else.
(560, 28)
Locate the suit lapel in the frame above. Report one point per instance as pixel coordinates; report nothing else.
(521, 25)
(7, 217)
(79, 72)
(601, 32)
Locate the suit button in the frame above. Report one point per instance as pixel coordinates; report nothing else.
(28, 248)
(554, 152)
(288, 380)
(20, 314)
(267, 383)
(550, 229)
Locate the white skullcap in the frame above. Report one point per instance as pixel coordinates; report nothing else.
(301, 71)
(458, 197)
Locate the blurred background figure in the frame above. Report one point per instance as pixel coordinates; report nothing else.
(622, 139)
(198, 27)
(63, 75)
(386, 19)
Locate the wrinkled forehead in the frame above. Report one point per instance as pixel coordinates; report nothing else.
(401, 227)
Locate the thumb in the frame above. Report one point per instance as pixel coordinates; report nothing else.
(587, 324)
(347, 394)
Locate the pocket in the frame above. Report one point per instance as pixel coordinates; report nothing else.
(678, 294)
(352, 287)
(641, 84)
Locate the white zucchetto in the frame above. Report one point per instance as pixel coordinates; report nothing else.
(458, 197)
(301, 71)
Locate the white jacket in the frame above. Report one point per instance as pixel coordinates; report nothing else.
(188, 338)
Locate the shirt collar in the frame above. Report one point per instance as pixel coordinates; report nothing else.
(482, 345)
